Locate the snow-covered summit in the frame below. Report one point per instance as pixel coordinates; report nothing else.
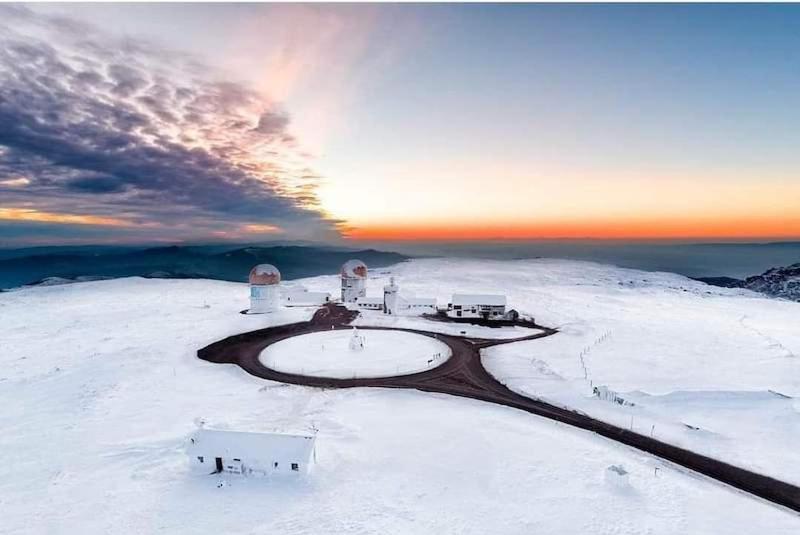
(101, 386)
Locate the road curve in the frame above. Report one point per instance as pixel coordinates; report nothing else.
(463, 375)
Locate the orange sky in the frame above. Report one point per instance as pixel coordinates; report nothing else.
(690, 228)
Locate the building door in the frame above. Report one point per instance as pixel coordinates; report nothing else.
(219, 464)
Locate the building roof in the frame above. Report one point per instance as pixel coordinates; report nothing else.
(268, 446)
(354, 269)
(478, 299)
(265, 274)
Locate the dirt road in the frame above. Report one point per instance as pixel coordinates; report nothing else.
(463, 375)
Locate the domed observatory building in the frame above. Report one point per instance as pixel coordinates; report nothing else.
(354, 281)
(265, 292)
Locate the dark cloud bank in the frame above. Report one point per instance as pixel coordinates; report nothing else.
(120, 128)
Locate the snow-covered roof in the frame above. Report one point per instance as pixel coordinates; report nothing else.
(216, 443)
(354, 269)
(265, 274)
(478, 299)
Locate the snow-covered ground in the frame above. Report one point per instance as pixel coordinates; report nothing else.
(716, 370)
(100, 386)
(329, 354)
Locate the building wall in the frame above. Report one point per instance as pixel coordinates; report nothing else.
(477, 311)
(264, 299)
(305, 299)
(353, 288)
(245, 466)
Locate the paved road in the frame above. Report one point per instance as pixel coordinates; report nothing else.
(463, 375)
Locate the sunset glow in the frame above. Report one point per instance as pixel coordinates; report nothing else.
(26, 214)
(643, 229)
(345, 122)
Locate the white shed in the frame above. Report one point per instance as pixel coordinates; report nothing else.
(262, 454)
(477, 306)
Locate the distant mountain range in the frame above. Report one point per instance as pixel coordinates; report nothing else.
(776, 282)
(66, 264)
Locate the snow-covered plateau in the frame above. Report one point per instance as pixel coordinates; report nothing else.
(100, 388)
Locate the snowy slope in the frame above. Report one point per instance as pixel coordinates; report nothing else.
(100, 386)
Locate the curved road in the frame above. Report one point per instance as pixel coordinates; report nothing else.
(463, 375)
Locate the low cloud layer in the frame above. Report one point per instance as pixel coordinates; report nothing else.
(91, 125)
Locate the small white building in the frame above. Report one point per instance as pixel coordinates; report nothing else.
(419, 305)
(394, 303)
(477, 306)
(265, 282)
(260, 454)
(369, 303)
(354, 281)
(299, 296)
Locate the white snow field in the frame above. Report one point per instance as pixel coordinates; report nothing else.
(328, 354)
(100, 387)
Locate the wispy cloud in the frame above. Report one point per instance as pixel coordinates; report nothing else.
(98, 128)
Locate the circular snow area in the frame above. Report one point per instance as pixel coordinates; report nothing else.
(341, 354)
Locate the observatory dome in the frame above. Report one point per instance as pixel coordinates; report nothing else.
(354, 269)
(265, 274)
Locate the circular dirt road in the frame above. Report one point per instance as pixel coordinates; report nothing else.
(463, 375)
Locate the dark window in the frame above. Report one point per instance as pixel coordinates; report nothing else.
(200, 458)
(295, 467)
(238, 460)
(275, 465)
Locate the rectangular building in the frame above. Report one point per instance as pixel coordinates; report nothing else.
(477, 306)
(260, 454)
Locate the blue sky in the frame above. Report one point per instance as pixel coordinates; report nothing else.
(419, 121)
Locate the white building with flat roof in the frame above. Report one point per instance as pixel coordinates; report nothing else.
(369, 303)
(486, 306)
(299, 296)
(258, 454)
(418, 305)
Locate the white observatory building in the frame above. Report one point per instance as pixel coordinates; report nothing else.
(265, 293)
(390, 297)
(354, 281)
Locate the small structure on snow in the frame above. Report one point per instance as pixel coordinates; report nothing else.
(356, 341)
(257, 454)
(617, 476)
